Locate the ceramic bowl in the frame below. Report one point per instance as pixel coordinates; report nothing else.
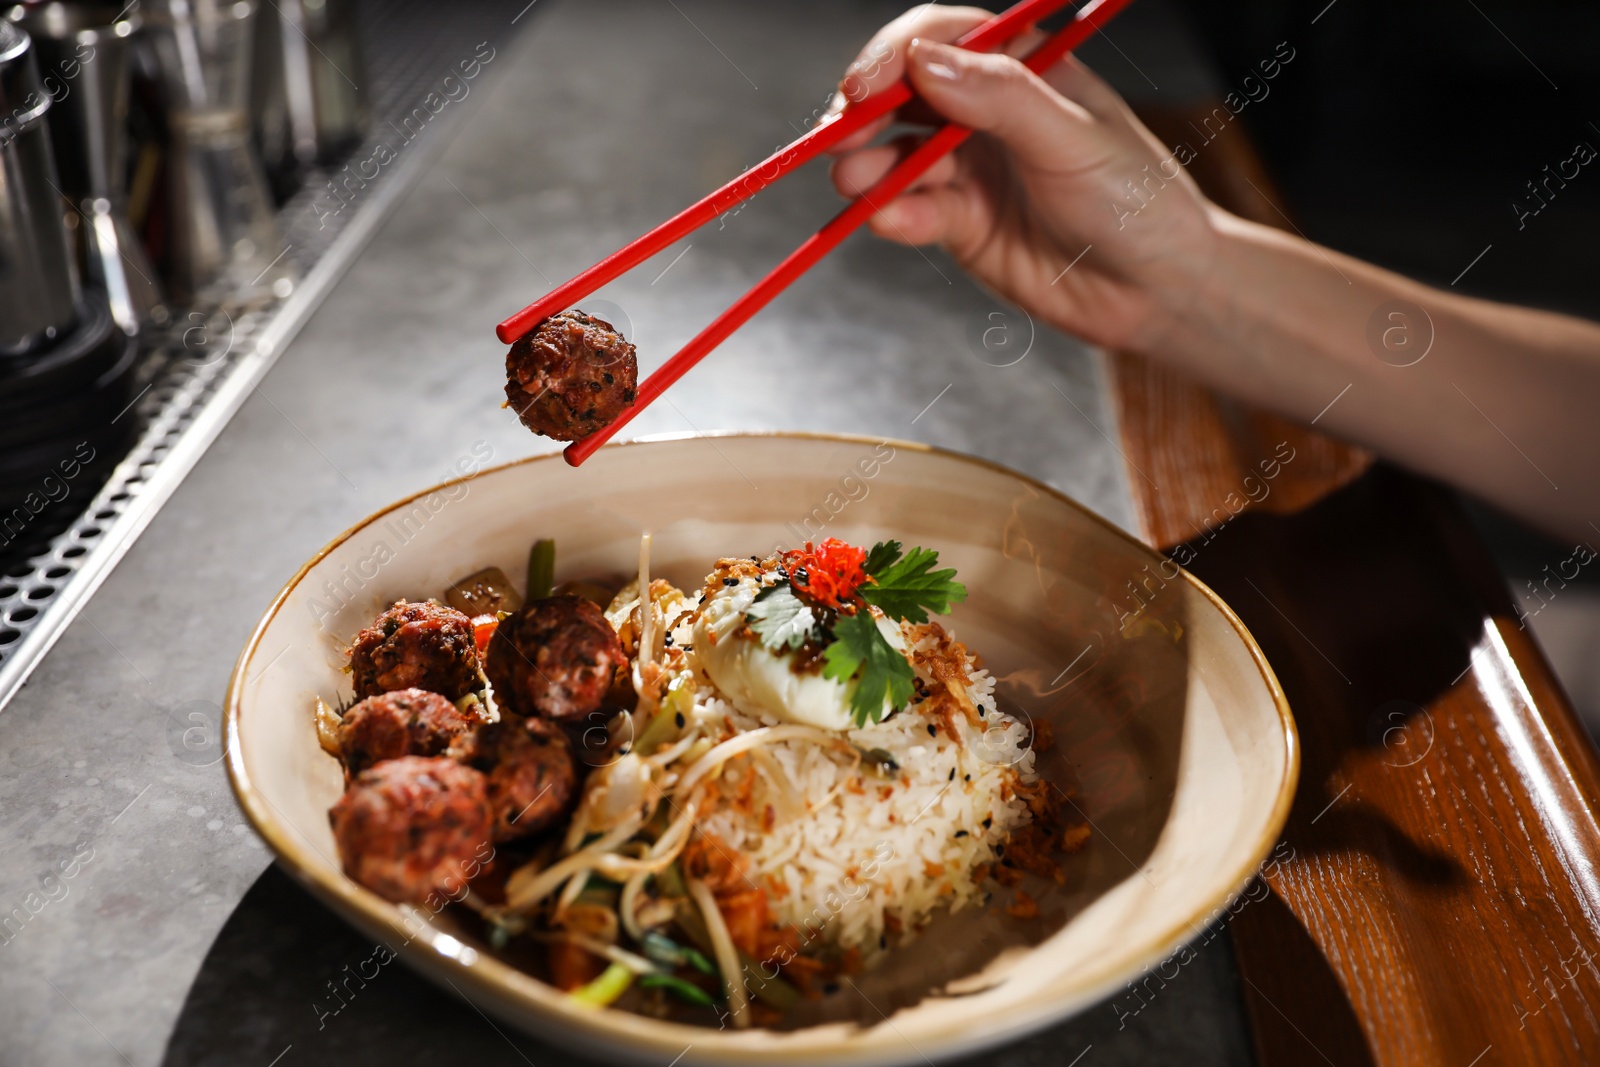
(1169, 728)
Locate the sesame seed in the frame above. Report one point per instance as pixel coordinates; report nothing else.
(883, 942)
(680, 720)
(952, 774)
(961, 833)
(933, 731)
(730, 581)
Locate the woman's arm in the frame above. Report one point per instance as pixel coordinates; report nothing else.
(1068, 206)
(1501, 401)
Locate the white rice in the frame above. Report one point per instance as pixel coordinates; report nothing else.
(863, 869)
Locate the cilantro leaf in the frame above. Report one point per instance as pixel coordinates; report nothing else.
(780, 619)
(883, 555)
(908, 587)
(860, 651)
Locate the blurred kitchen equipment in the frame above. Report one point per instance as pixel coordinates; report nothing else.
(83, 54)
(65, 367)
(38, 285)
(222, 235)
(309, 96)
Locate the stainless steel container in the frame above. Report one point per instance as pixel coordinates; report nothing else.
(332, 116)
(222, 235)
(38, 284)
(83, 52)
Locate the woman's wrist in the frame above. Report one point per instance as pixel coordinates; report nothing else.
(1183, 293)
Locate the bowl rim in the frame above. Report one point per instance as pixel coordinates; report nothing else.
(625, 1034)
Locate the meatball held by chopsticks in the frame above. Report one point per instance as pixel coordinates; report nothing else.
(554, 659)
(570, 376)
(409, 827)
(416, 646)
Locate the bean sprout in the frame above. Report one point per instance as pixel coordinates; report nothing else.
(788, 796)
(765, 735)
(661, 855)
(570, 893)
(722, 947)
(635, 963)
(660, 759)
(647, 617)
(582, 860)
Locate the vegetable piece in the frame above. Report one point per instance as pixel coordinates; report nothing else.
(781, 619)
(670, 881)
(861, 651)
(908, 588)
(328, 730)
(541, 569)
(774, 992)
(572, 966)
(699, 962)
(663, 726)
(484, 593)
(612, 983)
(687, 991)
(599, 594)
(882, 556)
(483, 628)
(662, 949)
(830, 573)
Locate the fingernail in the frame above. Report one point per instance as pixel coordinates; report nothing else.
(835, 105)
(871, 57)
(937, 59)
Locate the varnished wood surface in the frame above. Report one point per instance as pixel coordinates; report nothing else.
(1442, 902)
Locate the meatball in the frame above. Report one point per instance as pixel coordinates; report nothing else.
(409, 827)
(406, 722)
(416, 646)
(570, 376)
(554, 658)
(532, 777)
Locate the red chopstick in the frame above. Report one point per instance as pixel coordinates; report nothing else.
(1088, 20)
(827, 133)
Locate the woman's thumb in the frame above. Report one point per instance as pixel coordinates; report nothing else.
(998, 95)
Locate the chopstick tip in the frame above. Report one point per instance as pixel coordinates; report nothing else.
(574, 454)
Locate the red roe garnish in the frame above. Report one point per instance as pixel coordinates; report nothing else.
(829, 573)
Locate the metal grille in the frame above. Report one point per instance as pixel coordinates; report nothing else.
(201, 368)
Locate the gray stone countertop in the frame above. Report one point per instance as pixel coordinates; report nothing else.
(154, 929)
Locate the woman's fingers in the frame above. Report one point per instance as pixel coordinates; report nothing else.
(949, 215)
(859, 171)
(883, 61)
(938, 207)
(1000, 96)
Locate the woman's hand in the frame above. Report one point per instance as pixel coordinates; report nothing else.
(1062, 202)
